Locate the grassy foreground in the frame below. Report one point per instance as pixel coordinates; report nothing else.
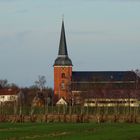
(69, 131)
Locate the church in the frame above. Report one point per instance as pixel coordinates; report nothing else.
(73, 85)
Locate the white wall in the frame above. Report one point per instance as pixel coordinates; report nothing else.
(5, 98)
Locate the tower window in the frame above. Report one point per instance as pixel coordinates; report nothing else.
(62, 85)
(63, 75)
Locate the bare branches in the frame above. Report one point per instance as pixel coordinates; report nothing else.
(3, 83)
(41, 82)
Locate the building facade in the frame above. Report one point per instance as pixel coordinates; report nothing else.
(8, 95)
(74, 85)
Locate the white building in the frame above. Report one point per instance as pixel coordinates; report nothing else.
(8, 95)
(62, 101)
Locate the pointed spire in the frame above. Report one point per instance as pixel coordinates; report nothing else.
(62, 59)
(62, 44)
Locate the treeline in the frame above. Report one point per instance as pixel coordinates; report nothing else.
(27, 94)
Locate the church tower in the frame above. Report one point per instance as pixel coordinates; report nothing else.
(62, 69)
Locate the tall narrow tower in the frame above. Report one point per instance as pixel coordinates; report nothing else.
(62, 69)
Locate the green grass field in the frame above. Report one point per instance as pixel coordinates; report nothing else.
(69, 131)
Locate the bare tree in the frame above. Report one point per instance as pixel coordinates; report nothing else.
(41, 82)
(137, 71)
(3, 83)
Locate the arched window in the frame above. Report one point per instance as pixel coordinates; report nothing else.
(63, 75)
(62, 85)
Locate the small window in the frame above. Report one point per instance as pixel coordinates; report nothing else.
(62, 85)
(63, 75)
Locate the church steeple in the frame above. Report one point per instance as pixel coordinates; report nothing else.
(62, 44)
(62, 69)
(63, 59)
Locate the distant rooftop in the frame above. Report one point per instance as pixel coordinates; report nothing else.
(103, 76)
(8, 91)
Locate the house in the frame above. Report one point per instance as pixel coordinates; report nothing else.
(8, 95)
(62, 101)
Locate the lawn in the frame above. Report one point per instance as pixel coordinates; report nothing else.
(69, 131)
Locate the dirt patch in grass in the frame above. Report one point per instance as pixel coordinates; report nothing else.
(55, 134)
(59, 134)
(34, 136)
(7, 129)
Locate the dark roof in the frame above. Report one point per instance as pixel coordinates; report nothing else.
(81, 76)
(63, 58)
(92, 80)
(9, 91)
(63, 61)
(62, 44)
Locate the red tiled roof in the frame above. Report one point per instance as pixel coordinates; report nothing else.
(8, 91)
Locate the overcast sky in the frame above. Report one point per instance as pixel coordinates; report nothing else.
(101, 35)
